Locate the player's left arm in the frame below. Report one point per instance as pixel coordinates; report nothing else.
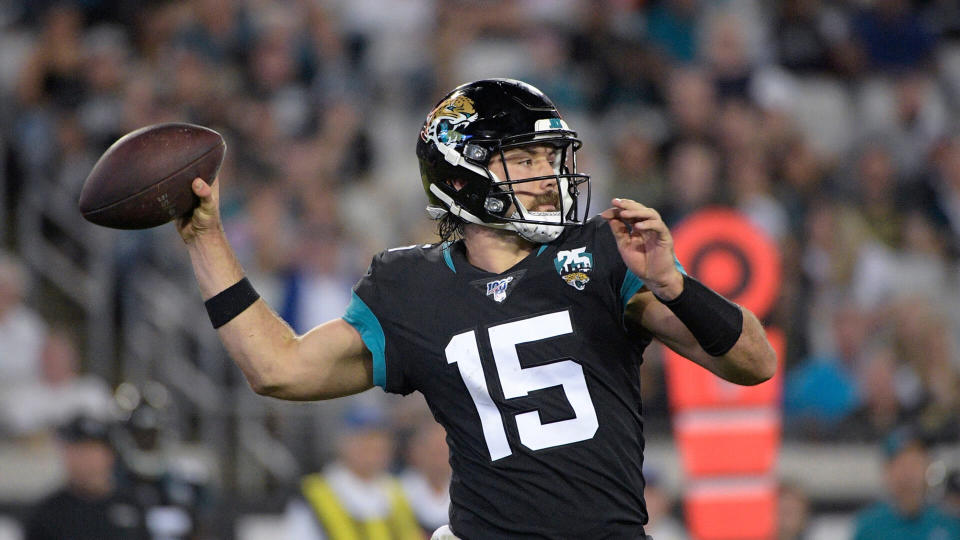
(691, 319)
(749, 361)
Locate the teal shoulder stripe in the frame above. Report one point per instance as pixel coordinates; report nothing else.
(542, 249)
(360, 317)
(445, 248)
(632, 284)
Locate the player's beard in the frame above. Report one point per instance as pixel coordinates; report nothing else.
(541, 233)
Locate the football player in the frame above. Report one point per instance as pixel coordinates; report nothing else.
(523, 328)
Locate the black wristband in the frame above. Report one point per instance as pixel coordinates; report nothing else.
(713, 320)
(230, 302)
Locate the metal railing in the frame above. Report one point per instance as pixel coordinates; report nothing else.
(161, 334)
(60, 247)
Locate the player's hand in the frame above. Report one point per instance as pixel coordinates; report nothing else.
(205, 218)
(646, 246)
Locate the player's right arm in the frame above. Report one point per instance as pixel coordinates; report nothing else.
(329, 361)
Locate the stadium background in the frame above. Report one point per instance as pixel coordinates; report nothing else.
(830, 124)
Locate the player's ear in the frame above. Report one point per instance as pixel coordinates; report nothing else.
(457, 183)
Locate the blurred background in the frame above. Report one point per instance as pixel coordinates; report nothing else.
(832, 125)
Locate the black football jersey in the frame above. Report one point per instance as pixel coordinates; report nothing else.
(533, 374)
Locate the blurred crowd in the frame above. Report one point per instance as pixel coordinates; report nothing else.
(829, 123)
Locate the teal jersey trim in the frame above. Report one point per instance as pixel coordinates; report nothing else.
(359, 316)
(445, 248)
(632, 284)
(542, 249)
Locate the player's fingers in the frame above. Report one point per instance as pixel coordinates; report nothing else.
(627, 204)
(610, 213)
(640, 213)
(653, 225)
(201, 188)
(619, 228)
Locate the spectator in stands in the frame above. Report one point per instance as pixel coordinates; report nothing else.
(927, 349)
(170, 482)
(951, 493)
(793, 512)
(355, 492)
(726, 53)
(940, 195)
(672, 29)
(751, 189)
(884, 405)
(426, 478)
(220, 30)
(53, 76)
(873, 192)
(318, 287)
(691, 180)
(52, 82)
(906, 513)
(737, 128)
(89, 507)
(802, 36)
(637, 171)
(918, 120)
(22, 331)
(893, 35)
(822, 391)
(691, 108)
(61, 393)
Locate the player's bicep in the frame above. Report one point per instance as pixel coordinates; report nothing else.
(331, 361)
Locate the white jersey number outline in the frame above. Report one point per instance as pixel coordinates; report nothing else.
(518, 381)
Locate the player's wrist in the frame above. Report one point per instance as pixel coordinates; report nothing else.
(715, 322)
(226, 305)
(210, 236)
(668, 288)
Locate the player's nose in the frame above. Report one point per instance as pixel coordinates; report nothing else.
(545, 169)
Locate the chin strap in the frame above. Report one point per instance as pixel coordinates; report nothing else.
(536, 233)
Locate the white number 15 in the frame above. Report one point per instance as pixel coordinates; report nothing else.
(517, 381)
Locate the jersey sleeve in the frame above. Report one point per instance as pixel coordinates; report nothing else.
(368, 311)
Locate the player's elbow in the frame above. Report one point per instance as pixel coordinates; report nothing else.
(268, 379)
(762, 367)
(263, 386)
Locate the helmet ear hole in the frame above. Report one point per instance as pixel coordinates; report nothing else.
(497, 203)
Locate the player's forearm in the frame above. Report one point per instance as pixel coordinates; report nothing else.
(263, 346)
(752, 359)
(258, 340)
(214, 263)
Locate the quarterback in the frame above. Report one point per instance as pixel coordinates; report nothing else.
(523, 327)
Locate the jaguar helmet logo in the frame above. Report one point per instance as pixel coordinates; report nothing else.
(446, 117)
(454, 107)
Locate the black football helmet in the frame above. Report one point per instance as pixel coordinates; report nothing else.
(479, 120)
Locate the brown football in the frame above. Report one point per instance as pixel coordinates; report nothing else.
(143, 180)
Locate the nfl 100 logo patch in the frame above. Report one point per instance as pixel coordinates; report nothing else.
(498, 289)
(574, 266)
